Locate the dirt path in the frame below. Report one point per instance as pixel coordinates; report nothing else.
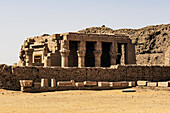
(107, 101)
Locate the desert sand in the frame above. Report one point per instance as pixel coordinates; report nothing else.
(144, 100)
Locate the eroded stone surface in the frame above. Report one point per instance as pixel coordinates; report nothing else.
(152, 84)
(142, 83)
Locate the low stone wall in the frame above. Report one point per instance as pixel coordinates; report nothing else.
(10, 75)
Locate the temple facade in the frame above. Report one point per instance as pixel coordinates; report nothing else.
(77, 50)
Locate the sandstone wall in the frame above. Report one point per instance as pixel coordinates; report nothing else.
(10, 75)
(151, 42)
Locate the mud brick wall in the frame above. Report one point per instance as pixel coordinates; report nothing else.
(10, 75)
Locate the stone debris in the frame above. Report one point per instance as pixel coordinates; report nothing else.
(26, 83)
(53, 83)
(142, 83)
(90, 83)
(152, 84)
(124, 84)
(163, 84)
(10, 76)
(44, 82)
(71, 85)
(104, 84)
(131, 84)
(79, 84)
(66, 83)
(37, 84)
(115, 84)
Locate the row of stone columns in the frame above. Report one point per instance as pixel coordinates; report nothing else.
(82, 52)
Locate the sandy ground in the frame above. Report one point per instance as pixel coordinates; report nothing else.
(144, 100)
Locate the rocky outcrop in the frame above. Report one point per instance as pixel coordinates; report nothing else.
(151, 42)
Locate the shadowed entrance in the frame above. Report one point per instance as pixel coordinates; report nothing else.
(89, 58)
(105, 58)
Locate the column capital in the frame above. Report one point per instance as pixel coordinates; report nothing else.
(64, 52)
(113, 54)
(97, 53)
(81, 53)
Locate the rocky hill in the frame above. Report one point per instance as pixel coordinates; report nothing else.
(151, 42)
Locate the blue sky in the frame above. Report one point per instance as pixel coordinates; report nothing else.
(20, 19)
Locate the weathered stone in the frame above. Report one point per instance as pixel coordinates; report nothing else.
(23, 89)
(152, 84)
(104, 84)
(66, 83)
(163, 84)
(131, 84)
(79, 84)
(124, 84)
(63, 49)
(44, 82)
(90, 83)
(10, 80)
(115, 84)
(26, 83)
(53, 83)
(152, 40)
(37, 84)
(142, 83)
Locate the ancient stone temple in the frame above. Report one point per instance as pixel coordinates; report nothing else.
(77, 50)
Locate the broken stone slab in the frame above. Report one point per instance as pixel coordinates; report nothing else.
(104, 84)
(142, 83)
(66, 83)
(23, 89)
(124, 84)
(115, 84)
(53, 83)
(37, 84)
(131, 84)
(152, 84)
(26, 83)
(90, 83)
(79, 84)
(163, 84)
(128, 90)
(44, 82)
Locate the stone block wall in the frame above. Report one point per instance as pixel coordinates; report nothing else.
(10, 75)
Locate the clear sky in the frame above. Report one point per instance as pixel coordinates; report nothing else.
(20, 19)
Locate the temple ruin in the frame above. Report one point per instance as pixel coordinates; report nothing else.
(77, 50)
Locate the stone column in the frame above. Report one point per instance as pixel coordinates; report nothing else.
(81, 58)
(47, 60)
(113, 53)
(64, 53)
(81, 53)
(64, 57)
(98, 53)
(28, 57)
(122, 60)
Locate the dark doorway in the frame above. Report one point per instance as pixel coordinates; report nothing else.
(73, 58)
(105, 58)
(89, 58)
(118, 53)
